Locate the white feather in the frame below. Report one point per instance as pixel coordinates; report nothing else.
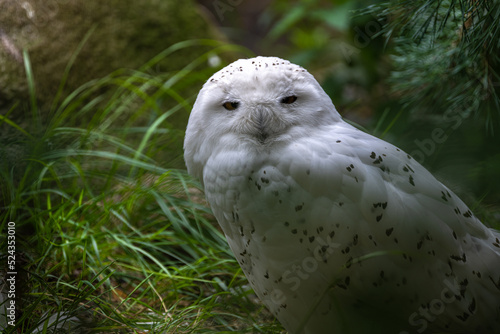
(337, 231)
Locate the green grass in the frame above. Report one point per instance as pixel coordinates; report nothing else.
(111, 236)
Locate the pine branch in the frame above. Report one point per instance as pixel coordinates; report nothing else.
(446, 55)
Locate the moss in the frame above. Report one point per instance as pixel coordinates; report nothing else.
(127, 34)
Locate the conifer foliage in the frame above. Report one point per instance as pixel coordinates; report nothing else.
(447, 56)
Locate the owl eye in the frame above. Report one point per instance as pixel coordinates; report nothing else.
(289, 99)
(231, 105)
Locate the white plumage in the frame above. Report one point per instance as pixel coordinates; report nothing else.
(336, 230)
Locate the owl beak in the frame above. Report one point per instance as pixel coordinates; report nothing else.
(260, 122)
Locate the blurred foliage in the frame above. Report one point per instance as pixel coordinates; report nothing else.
(309, 27)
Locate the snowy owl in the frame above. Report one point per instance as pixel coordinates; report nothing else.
(337, 231)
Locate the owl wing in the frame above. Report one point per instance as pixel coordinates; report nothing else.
(339, 217)
(380, 200)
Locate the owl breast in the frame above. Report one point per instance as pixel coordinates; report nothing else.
(332, 236)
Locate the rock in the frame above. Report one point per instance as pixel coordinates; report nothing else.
(125, 34)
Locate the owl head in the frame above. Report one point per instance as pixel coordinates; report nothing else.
(254, 104)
